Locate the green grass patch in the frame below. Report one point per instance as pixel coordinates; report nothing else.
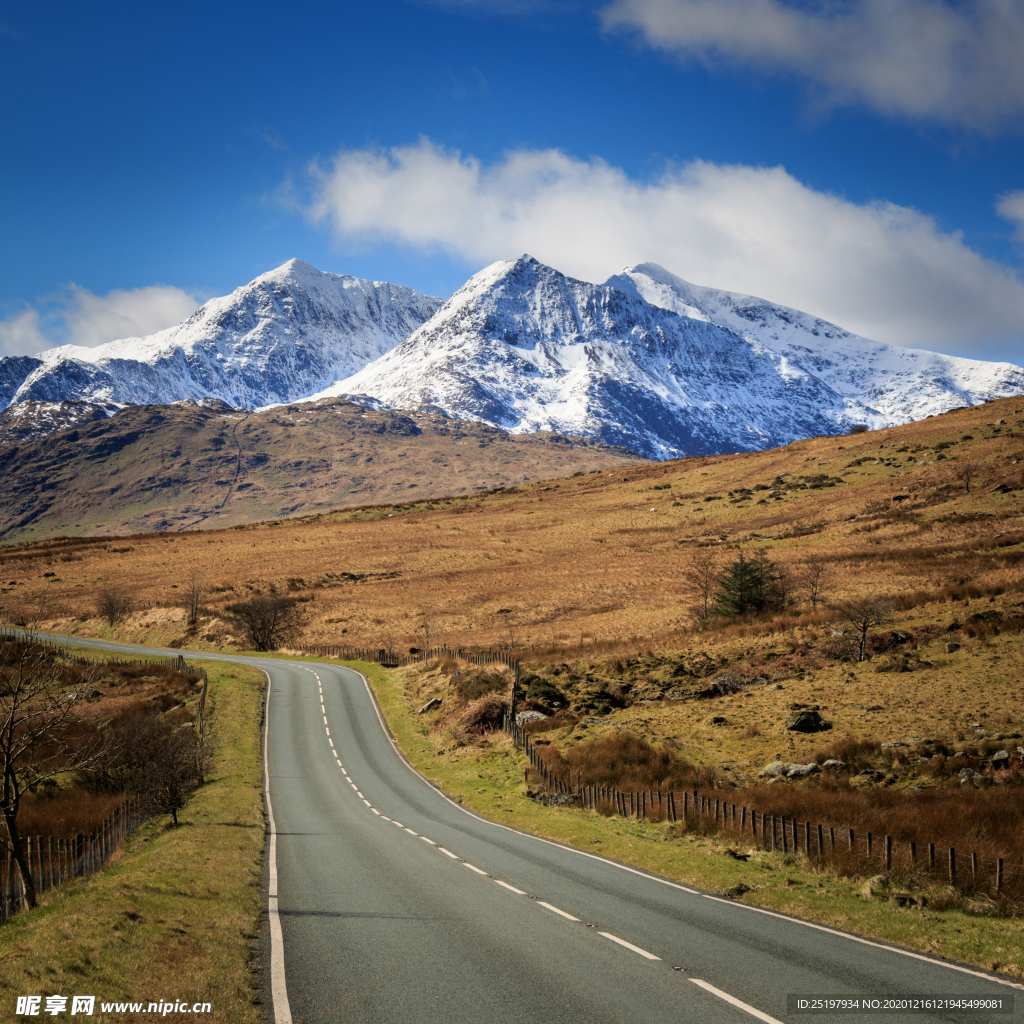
(488, 778)
(174, 914)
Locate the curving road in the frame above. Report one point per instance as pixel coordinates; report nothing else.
(387, 902)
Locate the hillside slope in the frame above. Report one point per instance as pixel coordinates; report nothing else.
(196, 465)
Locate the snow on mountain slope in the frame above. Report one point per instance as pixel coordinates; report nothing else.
(288, 333)
(525, 348)
(902, 384)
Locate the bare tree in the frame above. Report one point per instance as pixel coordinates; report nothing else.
(36, 709)
(817, 574)
(509, 628)
(430, 628)
(966, 472)
(862, 615)
(115, 604)
(193, 594)
(156, 756)
(267, 621)
(701, 579)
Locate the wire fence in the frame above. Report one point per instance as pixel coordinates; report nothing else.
(54, 861)
(57, 861)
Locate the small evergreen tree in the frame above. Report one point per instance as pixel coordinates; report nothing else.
(750, 586)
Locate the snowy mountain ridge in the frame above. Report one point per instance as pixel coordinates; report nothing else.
(654, 364)
(289, 332)
(646, 360)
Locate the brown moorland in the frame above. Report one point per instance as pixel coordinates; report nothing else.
(188, 466)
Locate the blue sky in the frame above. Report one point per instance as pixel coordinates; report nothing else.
(861, 164)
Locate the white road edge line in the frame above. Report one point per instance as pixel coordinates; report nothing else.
(735, 1002)
(629, 945)
(448, 853)
(478, 871)
(655, 878)
(278, 986)
(511, 888)
(426, 840)
(555, 910)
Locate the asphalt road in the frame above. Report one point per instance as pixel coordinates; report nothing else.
(395, 904)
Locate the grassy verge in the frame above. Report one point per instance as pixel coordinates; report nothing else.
(489, 779)
(173, 915)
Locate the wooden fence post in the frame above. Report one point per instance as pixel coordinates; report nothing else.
(869, 844)
(974, 867)
(851, 838)
(807, 838)
(913, 852)
(821, 842)
(952, 866)
(888, 853)
(931, 856)
(999, 875)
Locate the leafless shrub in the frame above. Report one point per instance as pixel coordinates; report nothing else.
(115, 604)
(267, 621)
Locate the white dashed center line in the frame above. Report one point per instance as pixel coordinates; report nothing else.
(629, 945)
(562, 913)
(734, 1001)
(511, 888)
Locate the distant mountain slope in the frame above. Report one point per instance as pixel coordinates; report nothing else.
(203, 464)
(902, 384)
(527, 348)
(283, 336)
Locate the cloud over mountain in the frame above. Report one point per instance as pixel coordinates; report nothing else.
(884, 271)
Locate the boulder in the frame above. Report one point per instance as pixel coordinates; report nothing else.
(434, 702)
(524, 717)
(774, 769)
(834, 765)
(952, 648)
(806, 721)
(1001, 759)
(801, 771)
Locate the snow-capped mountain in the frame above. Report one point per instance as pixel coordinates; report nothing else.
(651, 363)
(526, 348)
(290, 332)
(902, 384)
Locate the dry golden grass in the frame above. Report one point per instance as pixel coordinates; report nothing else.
(597, 558)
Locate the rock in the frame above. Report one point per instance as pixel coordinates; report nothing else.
(900, 636)
(952, 648)
(806, 721)
(530, 716)
(95, 693)
(834, 765)
(718, 720)
(560, 800)
(895, 743)
(434, 702)
(1001, 759)
(801, 771)
(774, 769)
(867, 890)
(839, 632)
(737, 890)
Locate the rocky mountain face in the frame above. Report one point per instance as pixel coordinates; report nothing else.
(645, 361)
(901, 384)
(527, 348)
(283, 336)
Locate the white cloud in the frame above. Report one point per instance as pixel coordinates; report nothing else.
(955, 64)
(1011, 207)
(20, 334)
(78, 317)
(882, 270)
